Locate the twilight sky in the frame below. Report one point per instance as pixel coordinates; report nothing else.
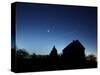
(39, 27)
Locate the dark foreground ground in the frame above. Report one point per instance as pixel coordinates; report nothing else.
(45, 64)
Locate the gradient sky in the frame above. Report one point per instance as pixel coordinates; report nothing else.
(39, 27)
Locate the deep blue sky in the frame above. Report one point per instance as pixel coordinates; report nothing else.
(40, 27)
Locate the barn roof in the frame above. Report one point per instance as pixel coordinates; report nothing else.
(75, 43)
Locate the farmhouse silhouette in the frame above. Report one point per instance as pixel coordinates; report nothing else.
(74, 53)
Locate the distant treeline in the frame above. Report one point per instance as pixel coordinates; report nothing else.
(22, 61)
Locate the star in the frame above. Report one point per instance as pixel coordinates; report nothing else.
(48, 30)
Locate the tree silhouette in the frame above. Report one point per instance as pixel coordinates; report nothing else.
(54, 55)
(33, 55)
(53, 52)
(22, 53)
(91, 57)
(91, 60)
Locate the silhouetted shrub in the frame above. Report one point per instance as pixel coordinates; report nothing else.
(91, 60)
(22, 52)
